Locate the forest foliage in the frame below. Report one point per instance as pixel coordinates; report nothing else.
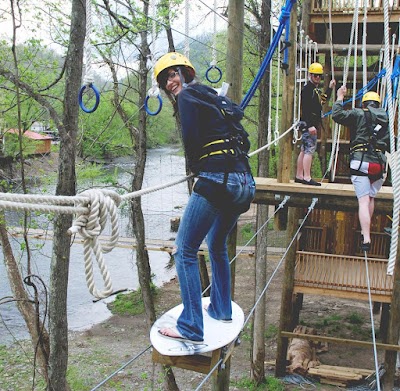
(103, 134)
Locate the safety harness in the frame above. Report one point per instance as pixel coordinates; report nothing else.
(370, 147)
(236, 143)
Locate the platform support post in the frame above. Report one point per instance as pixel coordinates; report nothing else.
(286, 316)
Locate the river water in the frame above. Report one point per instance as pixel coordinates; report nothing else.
(163, 165)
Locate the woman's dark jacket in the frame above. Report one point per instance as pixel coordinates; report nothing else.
(202, 122)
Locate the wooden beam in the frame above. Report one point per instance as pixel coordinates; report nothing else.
(321, 17)
(342, 49)
(341, 294)
(341, 341)
(196, 363)
(331, 196)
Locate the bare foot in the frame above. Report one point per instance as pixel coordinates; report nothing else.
(174, 334)
(170, 332)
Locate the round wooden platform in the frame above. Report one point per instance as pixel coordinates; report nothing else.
(216, 333)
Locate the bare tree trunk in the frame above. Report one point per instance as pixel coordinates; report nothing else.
(258, 351)
(58, 324)
(39, 335)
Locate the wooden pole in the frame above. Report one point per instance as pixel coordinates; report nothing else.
(285, 144)
(234, 72)
(257, 369)
(286, 315)
(287, 116)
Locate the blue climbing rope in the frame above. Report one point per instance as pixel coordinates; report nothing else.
(363, 90)
(285, 15)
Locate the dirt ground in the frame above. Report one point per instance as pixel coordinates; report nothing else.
(123, 338)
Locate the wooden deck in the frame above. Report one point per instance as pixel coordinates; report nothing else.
(342, 276)
(332, 196)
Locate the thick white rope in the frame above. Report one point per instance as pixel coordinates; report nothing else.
(186, 45)
(295, 119)
(395, 166)
(273, 142)
(88, 78)
(347, 63)
(90, 226)
(278, 82)
(214, 42)
(154, 90)
(355, 58)
(93, 208)
(364, 45)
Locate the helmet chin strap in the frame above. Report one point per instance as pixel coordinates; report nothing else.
(183, 82)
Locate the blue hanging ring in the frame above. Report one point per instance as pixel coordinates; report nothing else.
(219, 72)
(97, 95)
(146, 107)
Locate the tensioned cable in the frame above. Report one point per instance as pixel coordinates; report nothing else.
(310, 208)
(213, 369)
(280, 206)
(242, 31)
(121, 368)
(372, 322)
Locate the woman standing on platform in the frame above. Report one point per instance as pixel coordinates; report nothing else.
(216, 147)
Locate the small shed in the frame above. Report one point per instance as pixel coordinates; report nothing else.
(42, 143)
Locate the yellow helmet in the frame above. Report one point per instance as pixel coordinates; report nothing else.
(316, 68)
(371, 95)
(170, 60)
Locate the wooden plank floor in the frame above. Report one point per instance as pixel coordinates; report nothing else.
(332, 196)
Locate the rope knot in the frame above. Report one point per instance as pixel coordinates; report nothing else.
(90, 224)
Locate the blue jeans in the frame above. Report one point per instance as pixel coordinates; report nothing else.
(200, 219)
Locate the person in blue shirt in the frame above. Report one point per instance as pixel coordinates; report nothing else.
(216, 147)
